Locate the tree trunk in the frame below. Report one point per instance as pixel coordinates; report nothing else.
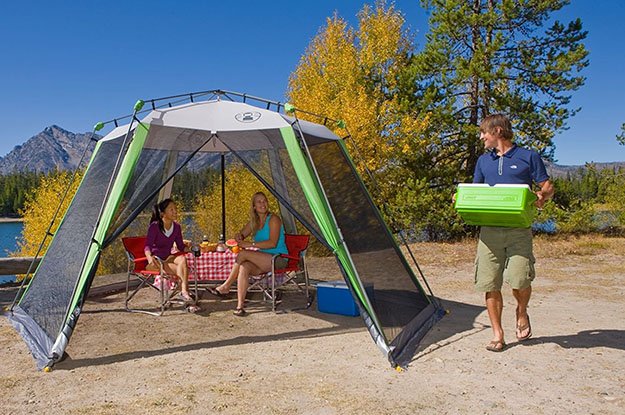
(473, 142)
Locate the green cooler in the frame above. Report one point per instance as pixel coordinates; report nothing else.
(509, 205)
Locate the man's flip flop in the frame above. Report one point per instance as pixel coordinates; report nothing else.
(496, 346)
(521, 329)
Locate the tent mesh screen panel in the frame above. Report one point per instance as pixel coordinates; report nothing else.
(283, 180)
(159, 159)
(51, 291)
(147, 178)
(397, 299)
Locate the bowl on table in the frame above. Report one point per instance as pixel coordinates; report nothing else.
(208, 246)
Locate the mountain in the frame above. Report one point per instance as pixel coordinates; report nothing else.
(556, 170)
(53, 148)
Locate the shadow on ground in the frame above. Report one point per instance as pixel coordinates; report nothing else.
(140, 354)
(586, 339)
(458, 323)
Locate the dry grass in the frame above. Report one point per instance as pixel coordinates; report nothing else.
(583, 245)
(449, 254)
(444, 254)
(590, 265)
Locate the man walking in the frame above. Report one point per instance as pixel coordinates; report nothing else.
(506, 253)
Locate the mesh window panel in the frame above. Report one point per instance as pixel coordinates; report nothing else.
(146, 179)
(52, 288)
(397, 299)
(165, 151)
(274, 165)
(298, 200)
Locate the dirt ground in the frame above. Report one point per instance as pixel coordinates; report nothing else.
(306, 362)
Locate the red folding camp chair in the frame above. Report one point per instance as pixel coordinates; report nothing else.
(137, 262)
(291, 275)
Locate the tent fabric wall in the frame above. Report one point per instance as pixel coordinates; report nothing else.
(315, 169)
(397, 298)
(43, 308)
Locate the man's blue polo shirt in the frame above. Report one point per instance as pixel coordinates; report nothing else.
(517, 166)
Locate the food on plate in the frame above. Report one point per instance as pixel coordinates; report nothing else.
(231, 242)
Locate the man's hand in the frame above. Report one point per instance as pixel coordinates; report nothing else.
(540, 202)
(545, 193)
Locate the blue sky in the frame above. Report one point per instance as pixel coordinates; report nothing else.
(76, 63)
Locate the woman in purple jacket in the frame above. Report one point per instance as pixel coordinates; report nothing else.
(163, 232)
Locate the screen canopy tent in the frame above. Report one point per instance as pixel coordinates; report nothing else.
(304, 165)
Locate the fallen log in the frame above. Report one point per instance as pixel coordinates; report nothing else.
(12, 266)
(19, 265)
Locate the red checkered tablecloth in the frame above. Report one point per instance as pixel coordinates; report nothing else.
(211, 266)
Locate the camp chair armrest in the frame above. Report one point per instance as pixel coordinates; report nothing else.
(286, 256)
(157, 259)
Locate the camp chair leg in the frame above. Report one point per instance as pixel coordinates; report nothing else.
(195, 278)
(273, 285)
(309, 297)
(165, 295)
(129, 296)
(296, 245)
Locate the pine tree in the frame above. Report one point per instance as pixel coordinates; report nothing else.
(620, 137)
(488, 56)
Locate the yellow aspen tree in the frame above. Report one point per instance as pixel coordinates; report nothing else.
(241, 184)
(353, 75)
(39, 208)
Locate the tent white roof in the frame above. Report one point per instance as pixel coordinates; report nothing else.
(199, 120)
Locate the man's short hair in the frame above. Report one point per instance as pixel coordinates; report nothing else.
(497, 124)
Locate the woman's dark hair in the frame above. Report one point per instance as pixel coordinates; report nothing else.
(157, 210)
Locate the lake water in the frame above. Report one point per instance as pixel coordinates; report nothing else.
(9, 232)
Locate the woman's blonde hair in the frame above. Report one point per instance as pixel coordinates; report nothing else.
(254, 218)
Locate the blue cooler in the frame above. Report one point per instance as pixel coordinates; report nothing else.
(334, 297)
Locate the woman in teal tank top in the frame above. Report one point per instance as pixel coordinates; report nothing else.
(263, 234)
(255, 258)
